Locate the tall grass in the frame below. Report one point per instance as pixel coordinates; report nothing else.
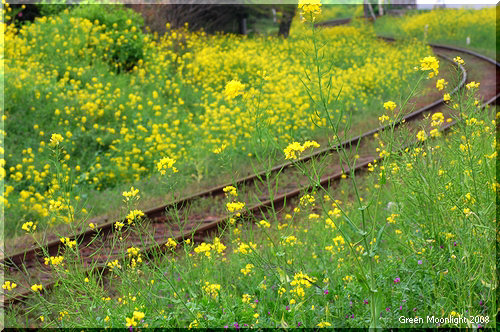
(413, 238)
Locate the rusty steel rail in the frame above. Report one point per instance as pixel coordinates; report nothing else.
(278, 201)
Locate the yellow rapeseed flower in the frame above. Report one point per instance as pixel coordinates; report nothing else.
(437, 119)
(440, 84)
(293, 150)
(9, 285)
(264, 224)
(233, 89)
(235, 206)
(472, 85)
(431, 64)
(166, 163)
(171, 243)
(56, 139)
(131, 194)
(230, 190)
(421, 135)
(36, 287)
(67, 242)
(134, 215)
(309, 9)
(459, 60)
(29, 226)
(390, 105)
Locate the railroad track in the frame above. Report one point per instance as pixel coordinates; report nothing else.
(26, 268)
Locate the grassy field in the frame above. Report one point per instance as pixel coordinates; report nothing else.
(413, 237)
(123, 100)
(425, 244)
(469, 28)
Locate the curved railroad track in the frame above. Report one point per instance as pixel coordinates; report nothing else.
(27, 267)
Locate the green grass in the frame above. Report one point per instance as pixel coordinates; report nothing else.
(415, 237)
(448, 27)
(123, 100)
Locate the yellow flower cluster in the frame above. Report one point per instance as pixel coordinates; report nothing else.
(437, 119)
(301, 280)
(233, 89)
(135, 122)
(245, 248)
(307, 199)
(235, 206)
(392, 218)
(309, 9)
(421, 135)
(293, 150)
(440, 84)
(230, 190)
(137, 316)
(390, 105)
(132, 252)
(430, 64)
(264, 224)
(36, 288)
(472, 85)
(131, 194)
(114, 265)
(207, 248)
(212, 290)
(247, 269)
(134, 215)
(289, 240)
(459, 60)
(54, 260)
(67, 242)
(56, 139)
(9, 285)
(324, 324)
(29, 226)
(171, 243)
(166, 163)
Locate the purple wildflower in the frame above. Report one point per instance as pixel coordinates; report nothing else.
(400, 307)
(480, 302)
(298, 324)
(352, 316)
(415, 309)
(236, 326)
(130, 328)
(365, 301)
(397, 280)
(419, 262)
(387, 309)
(326, 292)
(226, 327)
(287, 308)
